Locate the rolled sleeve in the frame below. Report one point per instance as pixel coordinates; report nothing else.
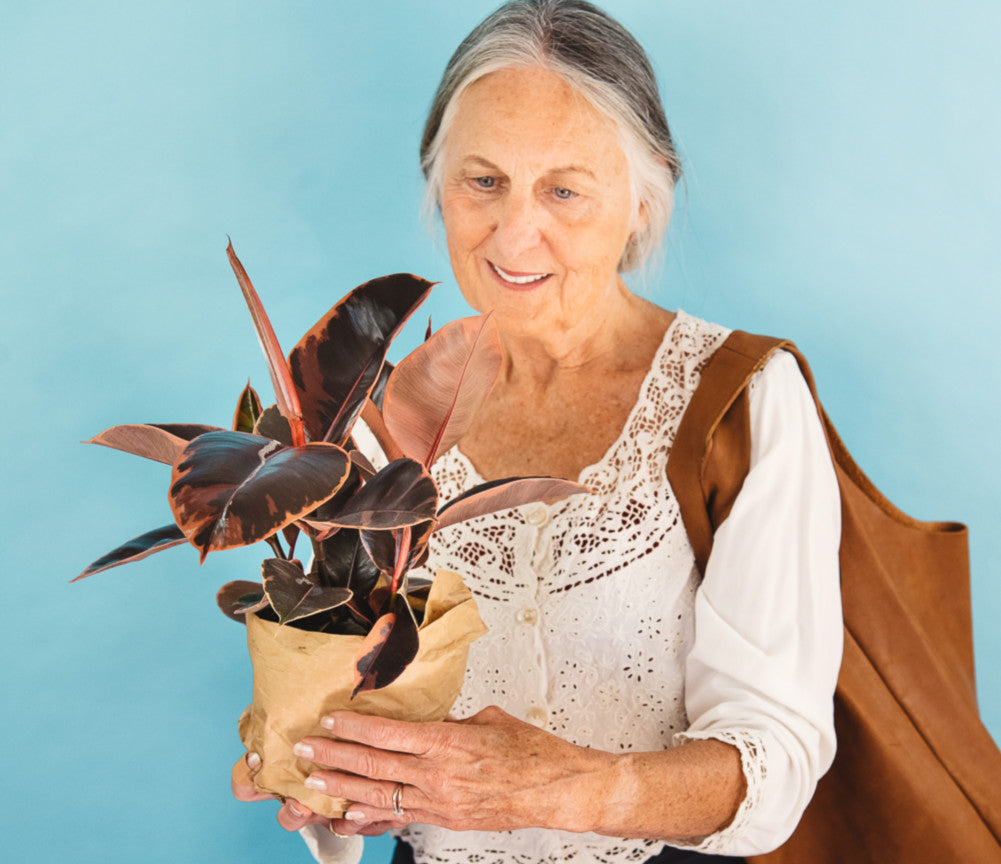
(768, 627)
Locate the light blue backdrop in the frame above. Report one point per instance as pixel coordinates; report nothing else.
(843, 189)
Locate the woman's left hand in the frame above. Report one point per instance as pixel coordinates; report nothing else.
(488, 772)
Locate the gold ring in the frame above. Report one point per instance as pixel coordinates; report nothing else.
(397, 806)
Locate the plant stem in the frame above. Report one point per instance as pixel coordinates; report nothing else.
(291, 540)
(274, 543)
(402, 555)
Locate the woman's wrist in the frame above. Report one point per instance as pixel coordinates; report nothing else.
(681, 794)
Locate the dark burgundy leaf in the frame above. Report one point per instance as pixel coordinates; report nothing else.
(388, 649)
(248, 409)
(236, 599)
(379, 390)
(402, 493)
(361, 462)
(137, 548)
(502, 494)
(336, 364)
(271, 424)
(161, 442)
(293, 594)
(232, 489)
(342, 560)
(382, 546)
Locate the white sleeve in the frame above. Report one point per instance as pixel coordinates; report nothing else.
(327, 848)
(768, 629)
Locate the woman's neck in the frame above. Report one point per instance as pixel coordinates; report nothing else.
(608, 338)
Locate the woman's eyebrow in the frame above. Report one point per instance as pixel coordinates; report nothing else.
(574, 169)
(481, 162)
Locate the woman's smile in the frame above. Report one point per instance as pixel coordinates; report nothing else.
(518, 281)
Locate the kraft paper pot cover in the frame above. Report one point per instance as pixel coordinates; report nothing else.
(300, 676)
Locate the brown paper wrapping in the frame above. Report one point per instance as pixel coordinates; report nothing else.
(300, 676)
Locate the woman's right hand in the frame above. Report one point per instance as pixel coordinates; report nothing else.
(293, 815)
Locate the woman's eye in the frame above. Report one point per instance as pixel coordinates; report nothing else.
(563, 193)
(484, 182)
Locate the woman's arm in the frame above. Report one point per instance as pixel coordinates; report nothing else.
(758, 690)
(767, 651)
(494, 772)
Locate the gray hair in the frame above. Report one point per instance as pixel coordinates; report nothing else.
(597, 56)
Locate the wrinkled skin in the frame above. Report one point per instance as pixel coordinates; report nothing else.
(490, 772)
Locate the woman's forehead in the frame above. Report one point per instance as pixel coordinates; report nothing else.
(530, 114)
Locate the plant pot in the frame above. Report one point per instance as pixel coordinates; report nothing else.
(300, 676)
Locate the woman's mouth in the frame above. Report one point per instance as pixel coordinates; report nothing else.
(518, 281)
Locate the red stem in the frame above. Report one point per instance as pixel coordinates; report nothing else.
(402, 554)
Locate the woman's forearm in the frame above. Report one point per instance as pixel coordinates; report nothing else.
(493, 772)
(684, 793)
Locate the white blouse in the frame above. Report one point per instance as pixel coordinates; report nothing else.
(602, 632)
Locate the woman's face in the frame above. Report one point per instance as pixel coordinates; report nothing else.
(535, 201)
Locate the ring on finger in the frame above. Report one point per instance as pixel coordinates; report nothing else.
(397, 806)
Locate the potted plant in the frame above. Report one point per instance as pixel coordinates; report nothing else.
(350, 628)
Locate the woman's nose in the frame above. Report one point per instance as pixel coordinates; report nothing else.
(519, 226)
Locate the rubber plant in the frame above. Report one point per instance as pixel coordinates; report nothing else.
(293, 469)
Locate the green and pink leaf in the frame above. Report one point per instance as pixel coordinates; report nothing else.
(248, 410)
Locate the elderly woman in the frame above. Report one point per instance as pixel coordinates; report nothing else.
(621, 708)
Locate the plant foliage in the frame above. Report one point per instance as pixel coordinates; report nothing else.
(292, 468)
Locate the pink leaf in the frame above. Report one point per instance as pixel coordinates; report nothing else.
(281, 378)
(434, 392)
(161, 442)
(502, 494)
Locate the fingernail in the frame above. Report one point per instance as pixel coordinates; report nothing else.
(327, 722)
(354, 816)
(315, 783)
(253, 761)
(303, 750)
(292, 810)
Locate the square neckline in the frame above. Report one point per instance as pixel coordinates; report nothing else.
(656, 363)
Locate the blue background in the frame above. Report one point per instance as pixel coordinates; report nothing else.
(843, 189)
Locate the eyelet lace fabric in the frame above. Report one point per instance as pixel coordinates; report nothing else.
(590, 607)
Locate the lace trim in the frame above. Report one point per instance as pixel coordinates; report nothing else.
(754, 764)
(525, 847)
